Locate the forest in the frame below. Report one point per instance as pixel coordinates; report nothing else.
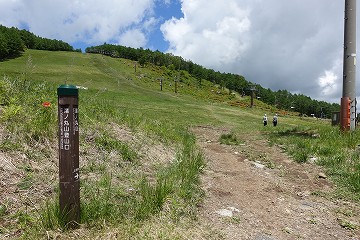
(282, 99)
(14, 41)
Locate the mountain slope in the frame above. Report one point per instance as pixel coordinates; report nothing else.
(140, 165)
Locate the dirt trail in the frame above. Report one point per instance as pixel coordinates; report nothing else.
(247, 200)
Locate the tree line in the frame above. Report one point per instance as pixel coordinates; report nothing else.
(14, 41)
(281, 99)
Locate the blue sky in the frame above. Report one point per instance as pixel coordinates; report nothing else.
(163, 11)
(295, 45)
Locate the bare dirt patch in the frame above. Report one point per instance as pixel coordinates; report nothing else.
(270, 199)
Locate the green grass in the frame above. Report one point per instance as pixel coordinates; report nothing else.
(108, 143)
(118, 184)
(229, 139)
(337, 151)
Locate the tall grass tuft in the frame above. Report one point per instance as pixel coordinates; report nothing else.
(190, 164)
(229, 139)
(152, 196)
(50, 216)
(108, 143)
(178, 182)
(98, 202)
(301, 151)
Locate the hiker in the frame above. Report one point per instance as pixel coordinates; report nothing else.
(265, 119)
(275, 120)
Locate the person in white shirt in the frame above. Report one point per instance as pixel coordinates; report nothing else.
(275, 120)
(265, 119)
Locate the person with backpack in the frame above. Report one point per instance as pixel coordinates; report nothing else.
(275, 120)
(265, 119)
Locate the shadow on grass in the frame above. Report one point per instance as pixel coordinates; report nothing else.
(10, 57)
(297, 132)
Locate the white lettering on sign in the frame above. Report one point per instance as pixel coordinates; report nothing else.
(64, 128)
(75, 117)
(76, 174)
(61, 120)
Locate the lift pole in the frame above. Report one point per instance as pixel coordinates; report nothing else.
(252, 89)
(348, 100)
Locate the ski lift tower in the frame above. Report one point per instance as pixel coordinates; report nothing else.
(252, 89)
(348, 100)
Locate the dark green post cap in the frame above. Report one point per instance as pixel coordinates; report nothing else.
(67, 90)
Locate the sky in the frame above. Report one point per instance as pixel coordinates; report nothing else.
(295, 45)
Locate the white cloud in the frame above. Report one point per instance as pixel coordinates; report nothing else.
(90, 21)
(279, 44)
(211, 33)
(328, 83)
(133, 38)
(150, 24)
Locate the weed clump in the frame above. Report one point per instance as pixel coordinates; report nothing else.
(229, 139)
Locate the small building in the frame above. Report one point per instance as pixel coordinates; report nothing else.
(335, 118)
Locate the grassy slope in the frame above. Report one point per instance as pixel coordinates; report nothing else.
(115, 82)
(117, 94)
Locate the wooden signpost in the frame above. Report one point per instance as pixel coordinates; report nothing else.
(69, 154)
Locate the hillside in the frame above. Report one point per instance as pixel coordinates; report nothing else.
(160, 164)
(234, 82)
(15, 42)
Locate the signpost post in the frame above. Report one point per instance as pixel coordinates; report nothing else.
(69, 154)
